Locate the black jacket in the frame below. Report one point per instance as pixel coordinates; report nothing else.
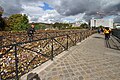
(30, 30)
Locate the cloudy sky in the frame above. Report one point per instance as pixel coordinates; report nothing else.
(63, 10)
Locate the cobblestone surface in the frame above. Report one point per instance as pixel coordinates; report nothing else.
(90, 60)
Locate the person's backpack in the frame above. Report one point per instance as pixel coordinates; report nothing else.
(107, 31)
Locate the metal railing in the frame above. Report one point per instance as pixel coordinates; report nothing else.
(116, 32)
(19, 58)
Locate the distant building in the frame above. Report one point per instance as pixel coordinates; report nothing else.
(101, 22)
(117, 25)
(76, 24)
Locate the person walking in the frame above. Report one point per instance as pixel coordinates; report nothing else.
(107, 33)
(30, 32)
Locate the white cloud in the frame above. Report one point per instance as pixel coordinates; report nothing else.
(48, 16)
(63, 10)
(75, 18)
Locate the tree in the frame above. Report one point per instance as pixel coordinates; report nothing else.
(1, 11)
(61, 25)
(2, 22)
(84, 25)
(18, 22)
(65, 25)
(101, 26)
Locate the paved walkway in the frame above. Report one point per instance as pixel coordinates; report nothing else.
(89, 60)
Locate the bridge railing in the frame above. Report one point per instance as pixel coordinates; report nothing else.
(116, 32)
(12, 37)
(19, 58)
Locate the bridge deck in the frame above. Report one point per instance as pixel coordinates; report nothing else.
(88, 60)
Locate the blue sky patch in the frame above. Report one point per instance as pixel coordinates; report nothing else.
(46, 7)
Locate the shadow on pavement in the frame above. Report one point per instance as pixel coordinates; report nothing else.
(33, 76)
(98, 37)
(111, 46)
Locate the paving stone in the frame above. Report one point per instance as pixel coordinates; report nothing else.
(68, 79)
(77, 73)
(81, 78)
(67, 75)
(83, 72)
(65, 71)
(55, 78)
(49, 78)
(54, 73)
(75, 78)
(70, 70)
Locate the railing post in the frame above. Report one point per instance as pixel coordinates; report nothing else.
(0, 71)
(56, 33)
(84, 35)
(1, 38)
(16, 63)
(67, 43)
(0, 68)
(75, 38)
(52, 50)
(79, 36)
(46, 34)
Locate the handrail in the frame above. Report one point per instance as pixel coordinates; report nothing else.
(19, 43)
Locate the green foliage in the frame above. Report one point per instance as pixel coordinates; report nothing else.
(101, 26)
(18, 22)
(84, 25)
(57, 25)
(37, 27)
(43, 27)
(74, 28)
(61, 25)
(1, 11)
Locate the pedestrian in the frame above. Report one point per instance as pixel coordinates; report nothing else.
(99, 31)
(102, 30)
(30, 32)
(107, 33)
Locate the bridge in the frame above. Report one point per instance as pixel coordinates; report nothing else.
(72, 56)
